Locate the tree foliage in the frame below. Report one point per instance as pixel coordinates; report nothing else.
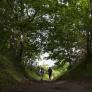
(60, 27)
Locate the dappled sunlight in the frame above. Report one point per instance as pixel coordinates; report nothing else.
(44, 63)
(44, 41)
(56, 72)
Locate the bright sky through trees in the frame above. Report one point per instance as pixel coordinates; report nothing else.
(44, 61)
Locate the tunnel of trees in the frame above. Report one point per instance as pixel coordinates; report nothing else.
(29, 28)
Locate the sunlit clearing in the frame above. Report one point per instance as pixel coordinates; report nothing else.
(43, 61)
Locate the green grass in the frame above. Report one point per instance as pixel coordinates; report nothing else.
(32, 74)
(7, 82)
(10, 68)
(57, 72)
(9, 75)
(80, 71)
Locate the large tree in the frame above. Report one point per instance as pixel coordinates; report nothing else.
(60, 27)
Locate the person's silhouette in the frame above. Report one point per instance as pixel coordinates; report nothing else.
(50, 72)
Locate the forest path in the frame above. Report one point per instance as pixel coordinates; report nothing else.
(57, 86)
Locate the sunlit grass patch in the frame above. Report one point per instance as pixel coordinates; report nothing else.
(57, 72)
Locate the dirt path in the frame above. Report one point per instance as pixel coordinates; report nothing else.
(59, 86)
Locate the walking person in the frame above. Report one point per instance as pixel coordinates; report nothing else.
(41, 72)
(50, 72)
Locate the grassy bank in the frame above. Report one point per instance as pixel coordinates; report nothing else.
(10, 77)
(80, 71)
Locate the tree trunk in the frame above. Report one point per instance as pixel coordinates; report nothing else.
(88, 44)
(89, 31)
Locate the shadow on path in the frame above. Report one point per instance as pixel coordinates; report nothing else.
(56, 86)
